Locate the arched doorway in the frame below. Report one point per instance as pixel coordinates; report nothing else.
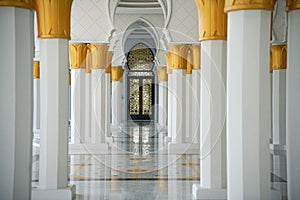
(140, 83)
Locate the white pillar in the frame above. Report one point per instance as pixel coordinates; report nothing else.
(116, 102)
(16, 60)
(53, 170)
(189, 98)
(213, 119)
(292, 103)
(162, 101)
(196, 77)
(97, 106)
(248, 110)
(88, 135)
(107, 104)
(78, 106)
(279, 107)
(170, 105)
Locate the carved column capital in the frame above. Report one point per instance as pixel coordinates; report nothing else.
(232, 5)
(116, 73)
(168, 62)
(77, 55)
(212, 20)
(27, 4)
(278, 57)
(98, 53)
(162, 74)
(292, 5)
(54, 18)
(195, 51)
(179, 56)
(36, 69)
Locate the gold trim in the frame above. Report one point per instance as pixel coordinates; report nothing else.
(108, 62)
(169, 62)
(53, 18)
(116, 73)
(98, 55)
(179, 56)
(27, 4)
(196, 58)
(212, 20)
(233, 5)
(189, 65)
(36, 69)
(278, 57)
(88, 61)
(77, 56)
(292, 5)
(162, 74)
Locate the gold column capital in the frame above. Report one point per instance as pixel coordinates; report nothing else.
(36, 69)
(195, 51)
(53, 18)
(169, 62)
(179, 56)
(292, 5)
(88, 61)
(116, 73)
(162, 74)
(108, 62)
(189, 64)
(212, 20)
(27, 4)
(77, 54)
(232, 5)
(98, 55)
(278, 57)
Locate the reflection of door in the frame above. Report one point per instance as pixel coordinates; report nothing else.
(141, 98)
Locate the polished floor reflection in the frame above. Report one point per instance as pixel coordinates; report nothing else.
(137, 167)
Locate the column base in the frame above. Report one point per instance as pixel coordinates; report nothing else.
(101, 148)
(205, 193)
(175, 148)
(59, 194)
(277, 147)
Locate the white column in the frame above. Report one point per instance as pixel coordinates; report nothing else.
(16, 60)
(248, 110)
(77, 106)
(189, 98)
(179, 111)
(279, 107)
(88, 95)
(170, 105)
(213, 119)
(53, 170)
(97, 106)
(107, 104)
(162, 101)
(196, 77)
(292, 103)
(116, 102)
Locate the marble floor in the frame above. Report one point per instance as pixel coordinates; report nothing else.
(138, 166)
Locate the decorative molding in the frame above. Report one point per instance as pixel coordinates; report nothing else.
(232, 5)
(27, 4)
(195, 51)
(179, 56)
(189, 64)
(292, 5)
(77, 55)
(212, 20)
(278, 57)
(162, 74)
(36, 69)
(98, 55)
(116, 73)
(54, 18)
(108, 62)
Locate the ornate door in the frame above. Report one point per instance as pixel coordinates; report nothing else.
(140, 83)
